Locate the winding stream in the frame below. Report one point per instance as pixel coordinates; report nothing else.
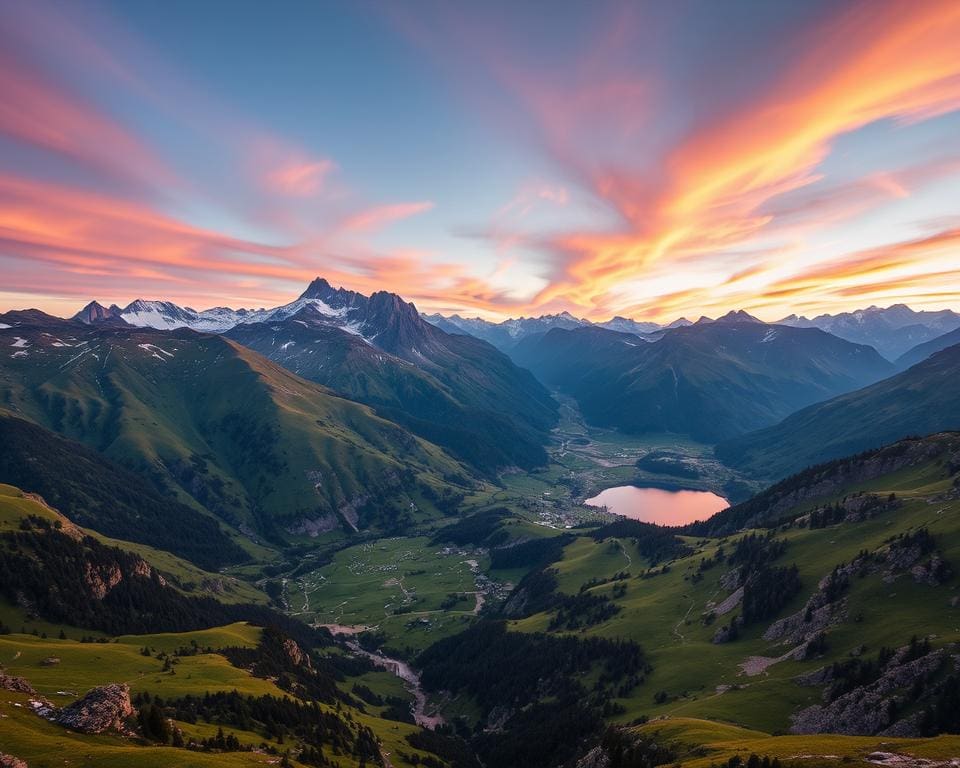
(411, 680)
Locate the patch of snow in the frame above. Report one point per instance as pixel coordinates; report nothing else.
(769, 336)
(4, 326)
(153, 349)
(152, 319)
(18, 342)
(21, 353)
(287, 344)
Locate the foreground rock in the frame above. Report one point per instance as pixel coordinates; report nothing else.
(103, 708)
(9, 761)
(15, 684)
(871, 709)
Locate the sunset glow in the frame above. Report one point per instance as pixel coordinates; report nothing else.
(653, 161)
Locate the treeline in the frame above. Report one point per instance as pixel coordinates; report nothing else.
(97, 493)
(53, 573)
(323, 734)
(656, 543)
(534, 680)
(535, 553)
(280, 658)
(480, 529)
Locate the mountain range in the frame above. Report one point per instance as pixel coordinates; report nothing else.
(453, 390)
(711, 380)
(891, 331)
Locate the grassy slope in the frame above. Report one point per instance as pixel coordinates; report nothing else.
(663, 612)
(15, 504)
(167, 404)
(703, 743)
(922, 400)
(85, 665)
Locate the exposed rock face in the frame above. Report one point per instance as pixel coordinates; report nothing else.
(316, 526)
(9, 761)
(866, 710)
(16, 684)
(101, 579)
(295, 654)
(595, 758)
(99, 710)
(216, 586)
(832, 478)
(731, 602)
(727, 632)
(824, 608)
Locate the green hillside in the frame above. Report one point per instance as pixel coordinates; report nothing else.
(832, 596)
(222, 428)
(455, 391)
(921, 400)
(236, 694)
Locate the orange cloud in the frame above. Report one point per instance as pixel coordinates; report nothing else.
(117, 244)
(300, 179)
(36, 112)
(383, 215)
(877, 61)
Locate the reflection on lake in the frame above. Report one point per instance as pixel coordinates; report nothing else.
(656, 505)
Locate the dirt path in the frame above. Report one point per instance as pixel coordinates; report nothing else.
(676, 630)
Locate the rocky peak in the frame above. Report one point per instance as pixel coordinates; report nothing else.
(738, 316)
(101, 709)
(95, 313)
(319, 288)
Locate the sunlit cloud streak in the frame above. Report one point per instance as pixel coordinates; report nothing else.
(634, 194)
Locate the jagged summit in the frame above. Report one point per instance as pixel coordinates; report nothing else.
(95, 312)
(738, 316)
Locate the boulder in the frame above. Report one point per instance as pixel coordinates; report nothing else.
(16, 684)
(101, 709)
(9, 761)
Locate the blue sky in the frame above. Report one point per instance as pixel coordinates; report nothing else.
(496, 159)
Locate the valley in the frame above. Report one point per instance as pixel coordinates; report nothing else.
(438, 609)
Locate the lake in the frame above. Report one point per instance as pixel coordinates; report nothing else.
(656, 505)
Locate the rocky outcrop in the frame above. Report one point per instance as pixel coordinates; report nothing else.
(727, 632)
(15, 684)
(731, 602)
(101, 709)
(595, 758)
(870, 709)
(100, 579)
(9, 761)
(824, 609)
(295, 654)
(314, 527)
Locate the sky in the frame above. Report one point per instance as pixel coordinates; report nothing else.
(650, 160)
